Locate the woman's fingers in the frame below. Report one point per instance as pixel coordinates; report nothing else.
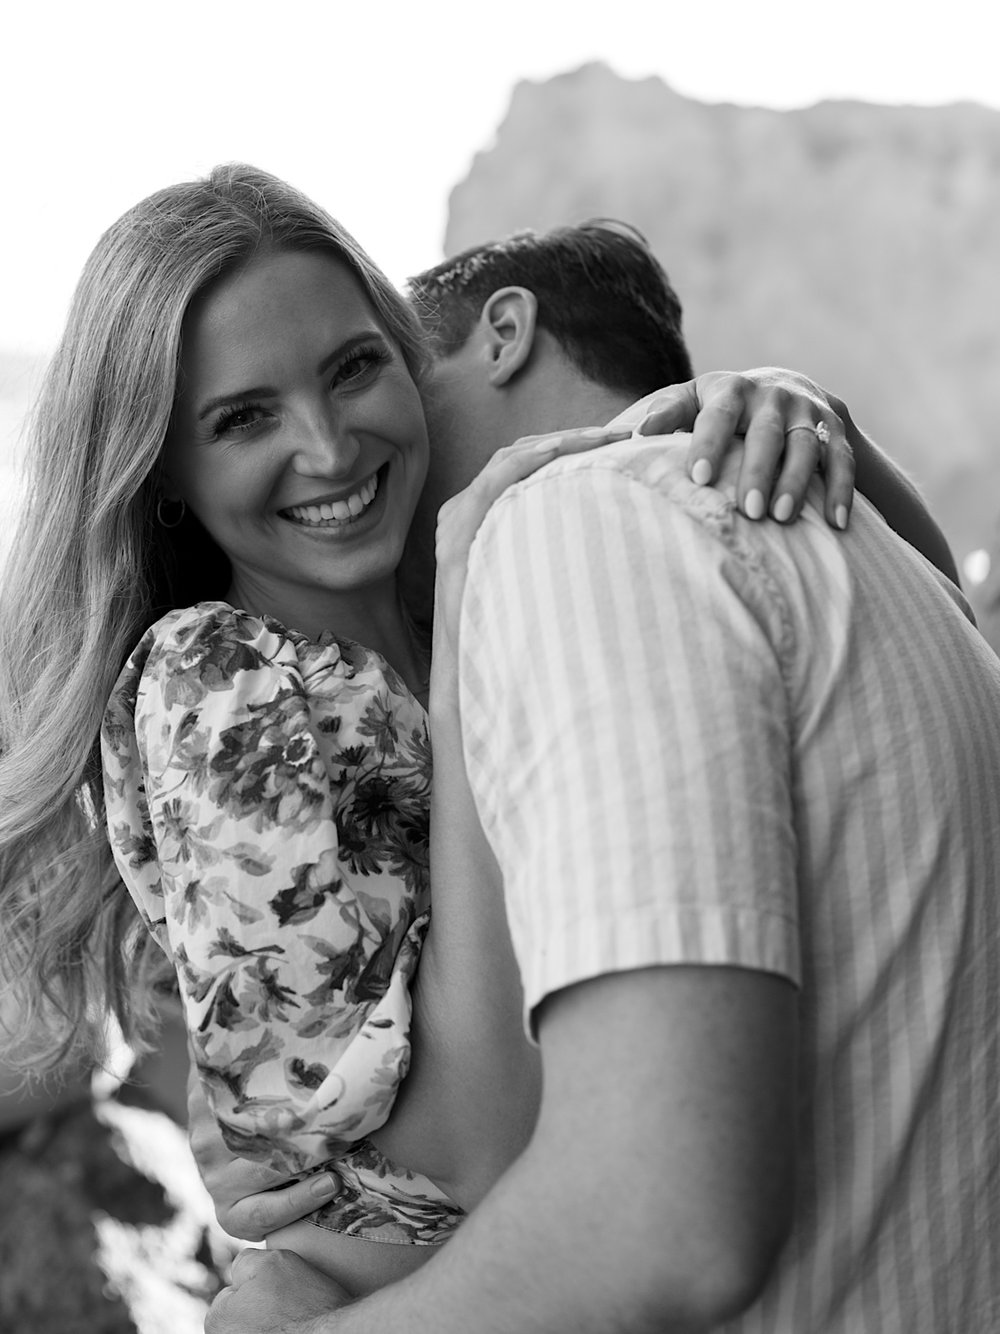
(820, 444)
(532, 452)
(762, 450)
(713, 407)
(803, 454)
(675, 408)
(255, 1217)
(247, 1204)
(780, 461)
(839, 468)
(724, 400)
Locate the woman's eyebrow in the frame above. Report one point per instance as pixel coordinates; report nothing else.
(265, 391)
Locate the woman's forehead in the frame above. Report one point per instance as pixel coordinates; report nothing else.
(276, 310)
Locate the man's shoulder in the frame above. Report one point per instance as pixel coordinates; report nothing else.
(637, 484)
(657, 462)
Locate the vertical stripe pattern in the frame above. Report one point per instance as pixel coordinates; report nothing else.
(693, 739)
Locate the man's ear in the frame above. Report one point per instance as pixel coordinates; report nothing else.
(508, 322)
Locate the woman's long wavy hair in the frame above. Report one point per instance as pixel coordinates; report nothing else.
(90, 568)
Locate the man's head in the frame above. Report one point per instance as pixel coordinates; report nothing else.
(601, 294)
(538, 333)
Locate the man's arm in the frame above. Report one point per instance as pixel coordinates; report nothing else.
(653, 1196)
(658, 1186)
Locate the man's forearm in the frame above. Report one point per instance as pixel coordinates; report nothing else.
(656, 1191)
(519, 1263)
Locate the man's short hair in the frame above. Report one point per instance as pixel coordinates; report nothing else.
(602, 294)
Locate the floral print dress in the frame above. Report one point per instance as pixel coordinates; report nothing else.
(267, 803)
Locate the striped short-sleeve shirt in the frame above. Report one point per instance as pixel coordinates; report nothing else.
(695, 739)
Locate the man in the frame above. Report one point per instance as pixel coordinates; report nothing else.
(741, 783)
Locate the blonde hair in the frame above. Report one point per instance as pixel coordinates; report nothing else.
(88, 571)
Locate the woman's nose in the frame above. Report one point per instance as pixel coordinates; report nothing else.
(324, 445)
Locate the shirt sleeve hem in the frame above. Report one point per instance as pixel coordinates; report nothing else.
(720, 936)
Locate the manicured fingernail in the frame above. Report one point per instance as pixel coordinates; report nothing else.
(783, 507)
(753, 506)
(325, 1186)
(840, 515)
(701, 473)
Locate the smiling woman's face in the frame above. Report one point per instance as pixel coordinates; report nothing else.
(298, 437)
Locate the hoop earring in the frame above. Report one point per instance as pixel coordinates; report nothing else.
(170, 523)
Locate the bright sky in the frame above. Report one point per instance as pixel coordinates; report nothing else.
(376, 108)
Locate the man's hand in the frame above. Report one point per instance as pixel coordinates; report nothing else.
(778, 412)
(247, 1204)
(275, 1292)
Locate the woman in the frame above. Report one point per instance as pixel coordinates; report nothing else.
(312, 845)
(231, 434)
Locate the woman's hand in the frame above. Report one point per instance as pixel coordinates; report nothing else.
(460, 517)
(790, 427)
(247, 1204)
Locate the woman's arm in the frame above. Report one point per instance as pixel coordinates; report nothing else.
(885, 485)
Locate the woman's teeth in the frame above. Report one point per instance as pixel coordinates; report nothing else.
(339, 510)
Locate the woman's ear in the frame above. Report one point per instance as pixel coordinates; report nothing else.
(508, 323)
(166, 487)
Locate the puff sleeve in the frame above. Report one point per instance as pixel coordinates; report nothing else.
(267, 801)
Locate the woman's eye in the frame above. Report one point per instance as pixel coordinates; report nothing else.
(238, 419)
(360, 364)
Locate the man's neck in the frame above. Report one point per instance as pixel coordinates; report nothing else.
(561, 401)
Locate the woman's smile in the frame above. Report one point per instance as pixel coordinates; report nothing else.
(333, 513)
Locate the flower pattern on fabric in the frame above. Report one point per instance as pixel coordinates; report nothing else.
(381, 1201)
(267, 803)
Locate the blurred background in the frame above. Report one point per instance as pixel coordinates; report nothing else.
(822, 185)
